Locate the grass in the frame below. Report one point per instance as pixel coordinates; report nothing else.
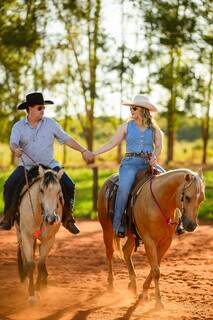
(83, 180)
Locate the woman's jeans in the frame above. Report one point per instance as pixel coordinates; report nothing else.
(129, 168)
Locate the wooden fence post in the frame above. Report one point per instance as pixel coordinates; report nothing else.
(95, 187)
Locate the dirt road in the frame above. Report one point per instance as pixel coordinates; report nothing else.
(77, 280)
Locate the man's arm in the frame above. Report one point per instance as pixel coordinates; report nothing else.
(14, 140)
(86, 154)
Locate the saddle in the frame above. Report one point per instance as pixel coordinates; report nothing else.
(142, 177)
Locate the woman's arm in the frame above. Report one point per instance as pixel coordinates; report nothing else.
(158, 142)
(118, 137)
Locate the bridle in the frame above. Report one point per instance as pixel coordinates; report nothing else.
(185, 187)
(169, 221)
(41, 231)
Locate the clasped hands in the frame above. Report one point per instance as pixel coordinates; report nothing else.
(88, 156)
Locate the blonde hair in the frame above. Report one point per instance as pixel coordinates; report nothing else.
(147, 119)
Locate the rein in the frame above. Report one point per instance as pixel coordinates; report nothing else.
(38, 233)
(186, 186)
(169, 221)
(166, 220)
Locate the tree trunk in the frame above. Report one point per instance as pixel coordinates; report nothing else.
(95, 188)
(171, 113)
(206, 119)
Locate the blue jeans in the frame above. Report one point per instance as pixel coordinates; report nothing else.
(18, 177)
(129, 168)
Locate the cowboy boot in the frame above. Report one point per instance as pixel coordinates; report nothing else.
(6, 223)
(68, 220)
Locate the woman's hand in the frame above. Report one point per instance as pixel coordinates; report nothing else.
(88, 156)
(153, 160)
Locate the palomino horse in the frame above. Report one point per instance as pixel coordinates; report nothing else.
(153, 213)
(40, 216)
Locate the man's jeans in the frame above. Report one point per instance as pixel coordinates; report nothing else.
(18, 177)
(129, 168)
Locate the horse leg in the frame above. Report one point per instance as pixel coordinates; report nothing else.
(108, 241)
(146, 285)
(161, 250)
(44, 249)
(28, 250)
(127, 251)
(151, 252)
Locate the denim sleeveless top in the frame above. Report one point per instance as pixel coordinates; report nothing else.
(137, 140)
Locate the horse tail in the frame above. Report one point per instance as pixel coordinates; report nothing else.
(21, 266)
(117, 247)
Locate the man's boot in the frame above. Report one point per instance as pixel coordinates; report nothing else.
(6, 223)
(68, 221)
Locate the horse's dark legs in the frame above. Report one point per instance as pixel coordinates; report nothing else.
(42, 275)
(30, 266)
(127, 250)
(44, 249)
(28, 250)
(108, 240)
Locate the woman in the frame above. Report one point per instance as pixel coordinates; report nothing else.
(143, 146)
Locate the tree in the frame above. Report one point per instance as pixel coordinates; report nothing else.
(173, 25)
(16, 52)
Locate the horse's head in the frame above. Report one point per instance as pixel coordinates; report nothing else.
(50, 194)
(193, 193)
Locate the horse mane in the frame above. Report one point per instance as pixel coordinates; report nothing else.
(49, 177)
(197, 178)
(184, 170)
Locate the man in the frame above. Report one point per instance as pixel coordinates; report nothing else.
(32, 140)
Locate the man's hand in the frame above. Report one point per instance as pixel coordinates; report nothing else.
(18, 152)
(88, 156)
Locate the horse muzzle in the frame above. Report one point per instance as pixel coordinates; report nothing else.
(189, 225)
(52, 218)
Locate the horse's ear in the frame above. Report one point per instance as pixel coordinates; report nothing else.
(40, 171)
(60, 174)
(187, 177)
(200, 173)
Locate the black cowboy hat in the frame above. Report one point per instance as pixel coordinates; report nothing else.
(32, 99)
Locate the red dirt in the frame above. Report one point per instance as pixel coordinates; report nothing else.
(78, 272)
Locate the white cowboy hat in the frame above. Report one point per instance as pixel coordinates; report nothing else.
(141, 101)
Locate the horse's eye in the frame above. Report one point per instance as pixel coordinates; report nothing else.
(42, 191)
(187, 199)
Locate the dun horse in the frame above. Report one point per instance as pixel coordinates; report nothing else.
(40, 216)
(153, 212)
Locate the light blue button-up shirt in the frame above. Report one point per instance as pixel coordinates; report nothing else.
(38, 142)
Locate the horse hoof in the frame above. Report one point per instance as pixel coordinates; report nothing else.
(32, 300)
(159, 306)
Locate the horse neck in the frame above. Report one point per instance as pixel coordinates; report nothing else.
(37, 209)
(168, 188)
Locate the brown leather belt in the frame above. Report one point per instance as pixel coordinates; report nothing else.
(138, 154)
